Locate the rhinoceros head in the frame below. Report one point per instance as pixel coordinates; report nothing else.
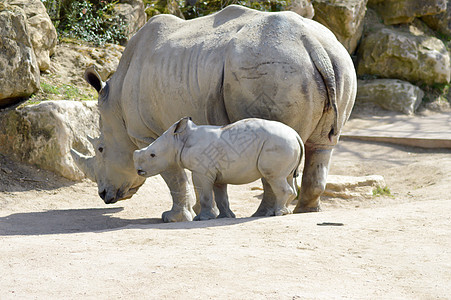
(164, 151)
(112, 166)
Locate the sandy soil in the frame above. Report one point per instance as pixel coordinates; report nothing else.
(58, 239)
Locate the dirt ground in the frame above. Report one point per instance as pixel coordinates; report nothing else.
(58, 239)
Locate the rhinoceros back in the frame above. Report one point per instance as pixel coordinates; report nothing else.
(235, 64)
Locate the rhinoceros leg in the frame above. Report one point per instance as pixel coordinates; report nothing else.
(283, 192)
(314, 176)
(222, 201)
(266, 207)
(182, 197)
(204, 191)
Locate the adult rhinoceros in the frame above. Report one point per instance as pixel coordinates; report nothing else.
(235, 64)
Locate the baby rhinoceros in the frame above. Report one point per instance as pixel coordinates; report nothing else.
(238, 153)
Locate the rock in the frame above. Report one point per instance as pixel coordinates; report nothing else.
(440, 22)
(405, 11)
(343, 18)
(41, 30)
(133, 14)
(404, 54)
(70, 60)
(301, 7)
(390, 94)
(43, 134)
(347, 187)
(19, 71)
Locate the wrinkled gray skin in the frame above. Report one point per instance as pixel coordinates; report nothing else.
(238, 63)
(238, 153)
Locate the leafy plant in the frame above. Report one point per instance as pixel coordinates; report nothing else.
(93, 21)
(196, 8)
(382, 191)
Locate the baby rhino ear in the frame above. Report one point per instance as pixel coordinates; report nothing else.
(180, 126)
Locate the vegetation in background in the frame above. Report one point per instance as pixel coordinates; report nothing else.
(191, 9)
(52, 89)
(93, 21)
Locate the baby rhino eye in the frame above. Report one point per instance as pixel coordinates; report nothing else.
(152, 155)
(100, 149)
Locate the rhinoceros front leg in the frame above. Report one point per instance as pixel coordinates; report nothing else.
(182, 196)
(314, 176)
(204, 191)
(222, 201)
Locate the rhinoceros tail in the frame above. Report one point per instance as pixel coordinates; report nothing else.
(323, 64)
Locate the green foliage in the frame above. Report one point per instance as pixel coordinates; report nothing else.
(53, 90)
(436, 92)
(49, 89)
(382, 191)
(93, 21)
(203, 8)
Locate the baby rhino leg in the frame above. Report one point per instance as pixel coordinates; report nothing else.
(284, 192)
(222, 201)
(204, 192)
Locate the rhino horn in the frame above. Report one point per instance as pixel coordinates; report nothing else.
(85, 163)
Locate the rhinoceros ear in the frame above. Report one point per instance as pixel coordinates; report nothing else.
(180, 126)
(93, 78)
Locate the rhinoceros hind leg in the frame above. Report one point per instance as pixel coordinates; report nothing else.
(314, 178)
(182, 196)
(222, 201)
(284, 192)
(266, 207)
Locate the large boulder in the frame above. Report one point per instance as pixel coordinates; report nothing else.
(343, 18)
(19, 72)
(41, 30)
(408, 55)
(404, 11)
(43, 134)
(133, 14)
(70, 61)
(390, 94)
(441, 22)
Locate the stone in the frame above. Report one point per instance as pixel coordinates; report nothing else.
(347, 187)
(133, 14)
(41, 30)
(405, 11)
(43, 134)
(19, 71)
(70, 60)
(390, 94)
(343, 18)
(405, 54)
(301, 7)
(440, 22)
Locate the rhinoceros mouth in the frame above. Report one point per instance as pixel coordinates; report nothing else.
(127, 194)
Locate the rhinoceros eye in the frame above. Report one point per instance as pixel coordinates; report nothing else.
(152, 155)
(100, 149)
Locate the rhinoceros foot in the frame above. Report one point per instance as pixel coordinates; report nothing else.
(205, 215)
(228, 214)
(182, 215)
(271, 211)
(283, 211)
(301, 209)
